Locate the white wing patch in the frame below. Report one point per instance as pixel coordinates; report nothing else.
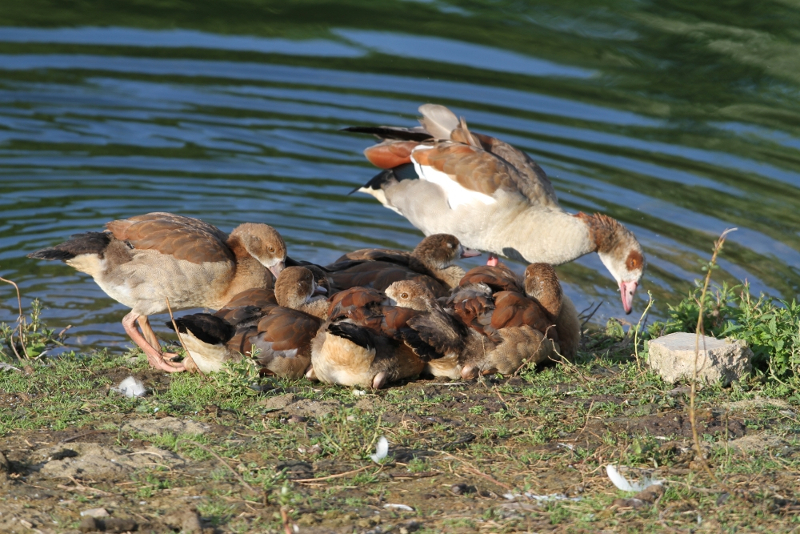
(456, 194)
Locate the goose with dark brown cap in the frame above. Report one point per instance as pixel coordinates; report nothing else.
(445, 178)
(160, 261)
(429, 264)
(281, 334)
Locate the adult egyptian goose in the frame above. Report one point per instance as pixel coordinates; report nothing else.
(160, 261)
(445, 178)
(522, 327)
(430, 264)
(281, 335)
(364, 343)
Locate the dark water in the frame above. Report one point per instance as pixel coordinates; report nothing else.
(678, 118)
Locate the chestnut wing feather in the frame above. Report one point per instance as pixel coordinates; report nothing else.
(181, 237)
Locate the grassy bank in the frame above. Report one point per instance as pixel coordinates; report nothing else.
(265, 455)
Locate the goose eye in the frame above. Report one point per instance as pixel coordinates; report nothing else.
(272, 249)
(404, 295)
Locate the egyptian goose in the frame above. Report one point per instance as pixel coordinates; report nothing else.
(281, 335)
(433, 256)
(367, 343)
(522, 327)
(443, 177)
(160, 261)
(429, 264)
(451, 340)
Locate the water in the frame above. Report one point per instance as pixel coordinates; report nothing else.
(678, 118)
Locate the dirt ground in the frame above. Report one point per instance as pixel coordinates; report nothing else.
(504, 454)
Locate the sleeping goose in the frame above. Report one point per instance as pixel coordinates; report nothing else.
(282, 334)
(445, 178)
(149, 260)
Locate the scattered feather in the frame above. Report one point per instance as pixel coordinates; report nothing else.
(131, 387)
(381, 450)
(625, 485)
(403, 507)
(8, 367)
(540, 498)
(359, 392)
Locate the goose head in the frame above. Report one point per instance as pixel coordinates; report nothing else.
(622, 255)
(295, 286)
(264, 243)
(410, 294)
(438, 251)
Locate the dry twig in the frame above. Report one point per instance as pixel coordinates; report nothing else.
(700, 331)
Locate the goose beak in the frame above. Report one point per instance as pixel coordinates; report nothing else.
(469, 252)
(626, 290)
(277, 268)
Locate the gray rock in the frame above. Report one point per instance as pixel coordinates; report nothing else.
(673, 357)
(172, 425)
(92, 460)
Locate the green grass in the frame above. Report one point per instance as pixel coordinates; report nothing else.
(548, 430)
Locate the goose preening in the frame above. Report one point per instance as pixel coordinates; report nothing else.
(281, 332)
(160, 261)
(445, 178)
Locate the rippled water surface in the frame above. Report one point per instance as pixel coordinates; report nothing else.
(678, 118)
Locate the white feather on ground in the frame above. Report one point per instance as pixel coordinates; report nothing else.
(381, 450)
(625, 485)
(131, 387)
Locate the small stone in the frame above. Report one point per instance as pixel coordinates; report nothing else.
(117, 524)
(297, 419)
(673, 357)
(88, 524)
(95, 512)
(459, 489)
(280, 402)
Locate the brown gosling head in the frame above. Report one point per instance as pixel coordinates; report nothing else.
(264, 243)
(438, 251)
(542, 284)
(410, 294)
(294, 287)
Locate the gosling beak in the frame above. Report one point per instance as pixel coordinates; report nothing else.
(469, 252)
(626, 290)
(277, 268)
(319, 290)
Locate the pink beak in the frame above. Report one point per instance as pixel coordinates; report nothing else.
(469, 252)
(277, 268)
(627, 289)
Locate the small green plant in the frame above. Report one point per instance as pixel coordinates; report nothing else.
(770, 327)
(29, 338)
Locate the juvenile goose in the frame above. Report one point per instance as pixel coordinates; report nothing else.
(364, 343)
(147, 260)
(443, 177)
(448, 337)
(523, 327)
(433, 256)
(429, 264)
(281, 335)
